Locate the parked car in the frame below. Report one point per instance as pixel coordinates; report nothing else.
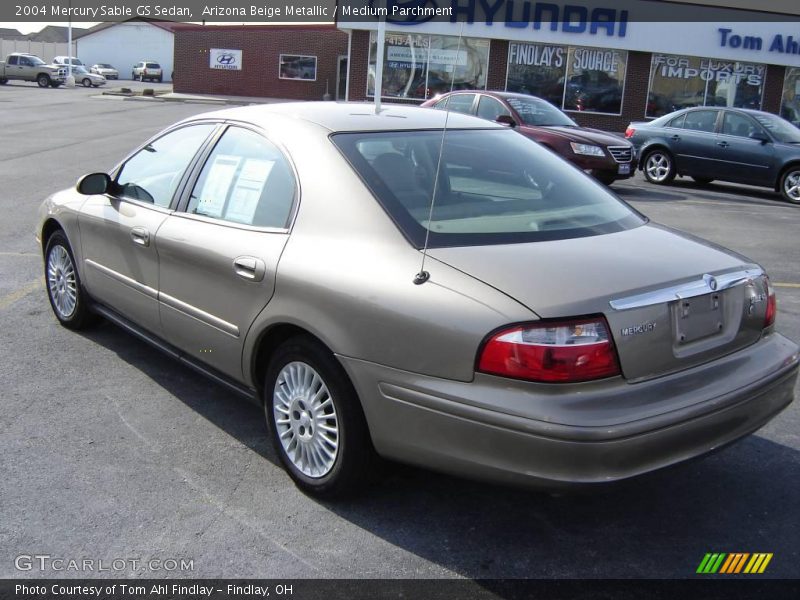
(105, 69)
(147, 70)
(65, 60)
(730, 144)
(87, 79)
(27, 67)
(518, 323)
(606, 156)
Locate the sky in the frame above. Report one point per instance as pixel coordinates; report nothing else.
(34, 27)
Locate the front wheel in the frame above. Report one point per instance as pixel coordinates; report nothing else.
(790, 185)
(67, 298)
(316, 423)
(43, 80)
(659, 167)
(87, 82)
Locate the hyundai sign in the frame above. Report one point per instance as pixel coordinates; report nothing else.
(224, 59)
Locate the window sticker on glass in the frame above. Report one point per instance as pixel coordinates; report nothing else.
(217, 184)
(247, 191)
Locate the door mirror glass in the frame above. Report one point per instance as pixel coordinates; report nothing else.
(506, 120)
(94, 183)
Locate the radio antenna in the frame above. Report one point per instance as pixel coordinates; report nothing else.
(423, 275)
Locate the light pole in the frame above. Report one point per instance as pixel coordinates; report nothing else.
(70, 82)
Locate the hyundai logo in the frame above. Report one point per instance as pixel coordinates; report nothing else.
(226, 59)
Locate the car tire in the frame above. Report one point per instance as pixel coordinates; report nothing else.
(68, 299)
(702, 180)
(87, 82)
(790, 184)
(3, 81)
(315, 419)
(43, 80)
(160, 79)
(658, 166)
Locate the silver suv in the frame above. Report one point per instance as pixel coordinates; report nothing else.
(147, 69)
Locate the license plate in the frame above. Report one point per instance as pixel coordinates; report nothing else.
(625, 169)
(698, 317)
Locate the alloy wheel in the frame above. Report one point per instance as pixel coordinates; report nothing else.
(61, 281)
(658, 166)
(306, 420)
(791, 186)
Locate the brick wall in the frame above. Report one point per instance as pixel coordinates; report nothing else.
(261, 48)
(359, 65)
(773, 89)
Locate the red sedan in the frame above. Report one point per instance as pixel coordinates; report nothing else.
(605, 156)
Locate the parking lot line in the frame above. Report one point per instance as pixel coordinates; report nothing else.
(20, 293)
(787, 285)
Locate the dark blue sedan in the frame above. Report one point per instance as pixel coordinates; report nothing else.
(730, 144)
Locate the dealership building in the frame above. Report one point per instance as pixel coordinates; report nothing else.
(605, 66)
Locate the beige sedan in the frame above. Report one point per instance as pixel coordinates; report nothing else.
(464, 300)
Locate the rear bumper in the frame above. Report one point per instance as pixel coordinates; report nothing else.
(551, 438)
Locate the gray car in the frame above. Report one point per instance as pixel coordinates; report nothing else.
(729, 144)
(520, 324)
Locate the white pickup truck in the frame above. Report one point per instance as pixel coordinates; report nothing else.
(28, 67)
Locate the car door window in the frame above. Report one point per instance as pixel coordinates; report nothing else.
(247, 180)
(491, 108)
(152, 174)
(461, 103)
(677, 122)
(737, 124)
(701, 120)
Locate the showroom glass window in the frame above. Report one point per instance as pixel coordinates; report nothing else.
(246, 180)
(573, 78)
(152, 174)
(295, 66)
(790, 99)
(421, 66)
(683, 81)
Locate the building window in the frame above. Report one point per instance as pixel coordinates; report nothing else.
(298, 66)
(682, 81)
(572, 78)
(790, 99)
(421, 66)
(538, 70)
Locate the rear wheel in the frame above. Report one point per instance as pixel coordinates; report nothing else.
(702, 180)
(43, 80)
(790, 184)
(316, 423)
(659, 167)
(67, 298)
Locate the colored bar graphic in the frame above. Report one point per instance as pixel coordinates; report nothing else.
(728, 564)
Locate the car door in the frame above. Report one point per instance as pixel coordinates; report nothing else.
(744, 159)
(118, 230)
(219, 253)
(695, 148)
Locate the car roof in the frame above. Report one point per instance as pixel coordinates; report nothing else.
(354, 116)
(495, 93)
(749, 111)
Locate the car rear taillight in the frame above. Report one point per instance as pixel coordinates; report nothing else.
(552, 351)
(772, 304)
(629, 132)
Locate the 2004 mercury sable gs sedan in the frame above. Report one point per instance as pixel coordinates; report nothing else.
(551, 336)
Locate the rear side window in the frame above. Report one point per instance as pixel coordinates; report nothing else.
(701, 120)
(245, 180)
(461, 103)
(152, 175)
(677, 122)
(494, 187)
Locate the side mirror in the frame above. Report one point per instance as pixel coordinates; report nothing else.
(506, 120)
(757, 135)
(94, 183)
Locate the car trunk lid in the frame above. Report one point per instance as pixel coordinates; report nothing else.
(671, 302)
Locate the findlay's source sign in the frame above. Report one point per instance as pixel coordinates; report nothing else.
(225, 59)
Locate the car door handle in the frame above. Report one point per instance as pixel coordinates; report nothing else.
(249, 268)
(140, 236)
(723, 144)
(675, 138)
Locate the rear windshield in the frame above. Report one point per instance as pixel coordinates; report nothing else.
(494, 187)
(152, 66)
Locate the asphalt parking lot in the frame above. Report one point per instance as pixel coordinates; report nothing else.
(110, 451)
